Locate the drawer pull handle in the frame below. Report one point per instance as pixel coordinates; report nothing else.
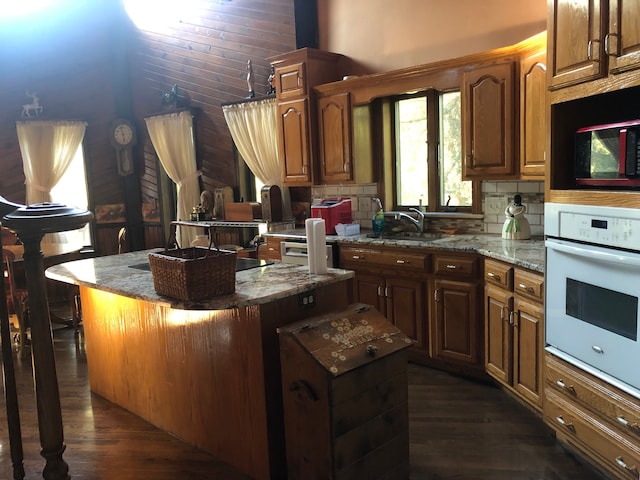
(493, 275)
(564, 423)
(621, 462)
(452, 267)
(597, 349)
(628, 424)
(357, 257)
(526, 288)
(401, 262)
(564, 386)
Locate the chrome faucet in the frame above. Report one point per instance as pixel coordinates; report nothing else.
(417, 222)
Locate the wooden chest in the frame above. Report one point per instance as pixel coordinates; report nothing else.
(344, 385)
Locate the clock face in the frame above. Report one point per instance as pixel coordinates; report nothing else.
(123, 134)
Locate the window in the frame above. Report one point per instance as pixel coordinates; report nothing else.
(72, 190)
(428, 162)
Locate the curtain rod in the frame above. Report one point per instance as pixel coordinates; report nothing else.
(247, 100)
(192, 110)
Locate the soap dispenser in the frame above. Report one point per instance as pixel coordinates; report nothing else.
(377, 222)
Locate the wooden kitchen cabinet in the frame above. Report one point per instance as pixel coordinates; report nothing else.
(594, 417)
(575, 38)
(622, 42)
(270, 250)
(334, 132)
(295, 148)
(295, 74)
(514, 326)
(489, 122)
(395, 282)
(593, 60)
(455, 325)
(589, 39)
(290, 81)
(534, 113)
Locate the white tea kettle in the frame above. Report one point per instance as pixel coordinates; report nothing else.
(516, 226)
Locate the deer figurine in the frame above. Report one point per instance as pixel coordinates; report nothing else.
(34, 106)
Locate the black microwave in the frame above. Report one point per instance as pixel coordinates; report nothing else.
(608, 155)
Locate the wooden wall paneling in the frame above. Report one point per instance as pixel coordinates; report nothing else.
(77, 75)
(206, 56)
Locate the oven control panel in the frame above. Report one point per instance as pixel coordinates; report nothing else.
(614, 227)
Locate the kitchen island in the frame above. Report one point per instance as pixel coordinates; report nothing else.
(209, 371)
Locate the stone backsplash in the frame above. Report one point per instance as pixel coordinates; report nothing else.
(496, 195)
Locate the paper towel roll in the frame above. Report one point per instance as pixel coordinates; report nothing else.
(316, 245)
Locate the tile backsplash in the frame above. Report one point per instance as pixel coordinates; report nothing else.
(496, 195)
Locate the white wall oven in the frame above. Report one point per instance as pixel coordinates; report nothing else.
(592, 278)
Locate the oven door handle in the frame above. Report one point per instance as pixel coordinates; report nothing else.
(595, 254)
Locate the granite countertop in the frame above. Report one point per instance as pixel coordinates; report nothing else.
(524, 253)
(255, 286)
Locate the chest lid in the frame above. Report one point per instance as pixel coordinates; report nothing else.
(343, 341)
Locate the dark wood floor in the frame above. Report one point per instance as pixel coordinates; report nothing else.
(459, 429)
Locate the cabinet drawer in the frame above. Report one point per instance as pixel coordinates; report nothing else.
(528, 284)
(398, 259)
(456, 266)
(618, 453)
(498, 273)
(618, 408)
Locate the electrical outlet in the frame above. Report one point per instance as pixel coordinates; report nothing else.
(307, 299)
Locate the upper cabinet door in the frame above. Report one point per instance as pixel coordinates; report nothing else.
(534, 115)
(334, 130)
(293, 136)
(575, 41)
(489, 123)
(290, 81)
(622, 42)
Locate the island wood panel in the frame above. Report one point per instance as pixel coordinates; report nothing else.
(212, 378)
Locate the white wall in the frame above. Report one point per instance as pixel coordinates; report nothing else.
(386, 35)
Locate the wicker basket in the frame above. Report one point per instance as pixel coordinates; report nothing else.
(193, 273)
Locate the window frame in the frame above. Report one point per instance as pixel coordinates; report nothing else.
(433, 203)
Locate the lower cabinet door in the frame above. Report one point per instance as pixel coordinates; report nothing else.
(498, 350)
(455, 328)
(528, 332)
(406, 308)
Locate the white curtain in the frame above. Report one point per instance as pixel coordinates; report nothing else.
(173, 138)
(253, 127)
(47, 148)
